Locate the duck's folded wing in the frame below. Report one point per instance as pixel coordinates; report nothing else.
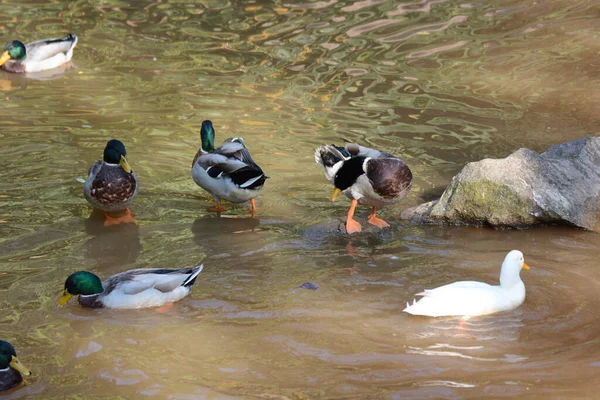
(452, 288)
(95, 168)
(235, 147)
(43, 49)
(138, 280)
(225, 164)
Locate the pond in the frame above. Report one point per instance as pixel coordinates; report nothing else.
(438, 83)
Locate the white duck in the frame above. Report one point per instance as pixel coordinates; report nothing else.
(470, 298)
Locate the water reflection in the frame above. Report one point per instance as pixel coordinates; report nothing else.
(111, 245)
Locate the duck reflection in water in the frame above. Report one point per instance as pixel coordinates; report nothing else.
(114, 244)
(224, 230)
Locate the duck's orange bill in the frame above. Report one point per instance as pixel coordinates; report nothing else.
(525, 266)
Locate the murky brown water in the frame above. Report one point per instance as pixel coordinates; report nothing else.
(438, 82)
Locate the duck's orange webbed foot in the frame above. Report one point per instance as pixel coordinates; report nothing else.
(373, 220)
(351, 225)
(165, 308)
(218, 208)
(124, 218)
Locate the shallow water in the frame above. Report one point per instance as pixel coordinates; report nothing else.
(439, 83)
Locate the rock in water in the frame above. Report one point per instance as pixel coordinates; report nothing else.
(561, 185)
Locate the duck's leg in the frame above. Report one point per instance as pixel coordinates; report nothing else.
(218, 208)
(373, 220)
(124, 218)
(253, 203)
(351, 225)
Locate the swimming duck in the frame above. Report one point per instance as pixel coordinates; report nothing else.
(136, 288)
(227, 172)
(111, 184)
(10, 367)
(37, 56)
(470, 298)
(366, 176)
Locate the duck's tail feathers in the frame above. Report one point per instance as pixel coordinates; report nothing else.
(408, 306)
(190, 280)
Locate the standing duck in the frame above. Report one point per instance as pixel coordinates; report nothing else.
(10, 367)
(471, 298)
(136, 288)
(227, 172)
(366, 176)
(37, 56)
(111, 184)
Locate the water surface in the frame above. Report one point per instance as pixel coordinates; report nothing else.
(439, 83)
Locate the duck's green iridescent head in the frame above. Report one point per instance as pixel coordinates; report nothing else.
(81, 282)
(207, 134)
(114, 153)
(8, 358)
(14, 50)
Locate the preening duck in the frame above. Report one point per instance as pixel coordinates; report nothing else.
(471, 298)
(111, 184)
(10, 367)
(136, 288)
(37, 56)
(228, 172)
(366, 176)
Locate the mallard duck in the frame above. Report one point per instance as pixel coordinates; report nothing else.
(37, 56)
(366, 176)
(111, 184)
(10, 367)
(227, 172)
(470, 298)
(136, 288)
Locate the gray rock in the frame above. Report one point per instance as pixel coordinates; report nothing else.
(561, 185)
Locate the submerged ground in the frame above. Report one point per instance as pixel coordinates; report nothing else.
(439, 83)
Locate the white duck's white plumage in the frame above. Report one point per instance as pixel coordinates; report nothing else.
(471, 298)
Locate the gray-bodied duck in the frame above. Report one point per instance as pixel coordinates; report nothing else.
(366, 176)
(227, 172)
(37, 56)
(136, 288)
(111, 184)
(11, 369)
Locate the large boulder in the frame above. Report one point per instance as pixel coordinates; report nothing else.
(561, 185)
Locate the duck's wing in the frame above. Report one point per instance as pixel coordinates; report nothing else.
(94, 169)
(357, 150)
(457, 299)
(243, 174)
(236, 148)
(40, 50)
(165, 280)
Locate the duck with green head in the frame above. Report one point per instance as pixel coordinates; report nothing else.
(111, 184)
(136, 288)
(227, 172)
(37, 56)
(11, 368)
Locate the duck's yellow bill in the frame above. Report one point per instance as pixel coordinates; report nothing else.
(19, 366)
(4, 57)
(125, 165)
(525, 266)
(335, 194)
(65, 297)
